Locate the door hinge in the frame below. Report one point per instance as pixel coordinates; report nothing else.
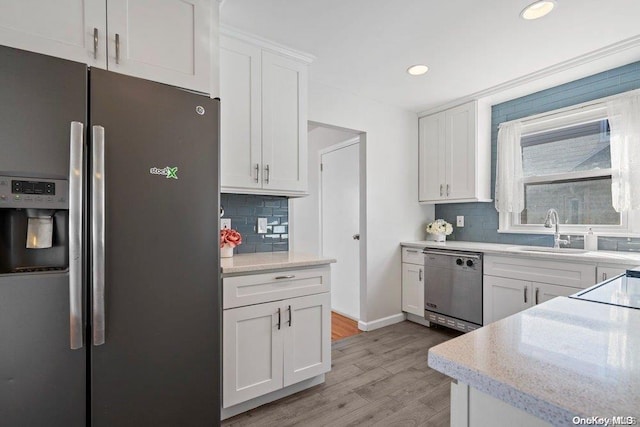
(321, 167)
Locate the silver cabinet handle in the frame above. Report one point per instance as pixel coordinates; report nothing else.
(290, 316)
(98, 235)
(537, 295)
(441, 190)
(525, 294)
(95, 43)
(447, 190)
(420, 275)
(412, 251)
(279, 318)
(257, 172)
(290, 276)
(117, 48)
(604, 276)
(75, 234)
(267, 174)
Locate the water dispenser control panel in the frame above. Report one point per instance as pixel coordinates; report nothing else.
(20, 192)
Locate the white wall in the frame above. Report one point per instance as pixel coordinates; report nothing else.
(393, 213)
(305, 211)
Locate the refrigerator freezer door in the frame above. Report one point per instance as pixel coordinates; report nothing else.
(42, 380)
(159, 364)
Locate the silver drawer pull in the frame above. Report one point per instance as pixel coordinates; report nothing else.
(413, 251)
(291, 276)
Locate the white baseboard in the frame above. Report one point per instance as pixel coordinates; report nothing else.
(267, 398)
(381, 323)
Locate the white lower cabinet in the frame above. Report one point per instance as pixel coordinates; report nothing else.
(272, 345)
(413, 289)
(503, 296)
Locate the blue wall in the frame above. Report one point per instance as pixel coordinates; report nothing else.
(481, 219)
(244, 211)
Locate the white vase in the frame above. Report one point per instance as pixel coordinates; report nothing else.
(440, 237)
(226, 251)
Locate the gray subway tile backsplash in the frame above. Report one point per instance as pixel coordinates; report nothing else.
(481, 219)
(244, 210)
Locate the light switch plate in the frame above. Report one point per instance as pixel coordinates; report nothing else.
(460, 221)
(262, 225)
(225, 223)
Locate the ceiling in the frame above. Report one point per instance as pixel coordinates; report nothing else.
(365, 46)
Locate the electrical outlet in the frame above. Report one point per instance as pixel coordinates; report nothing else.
(460, 221)
(225, 223)
(262, 225)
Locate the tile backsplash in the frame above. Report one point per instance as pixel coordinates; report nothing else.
(244, 211)
(481, 219)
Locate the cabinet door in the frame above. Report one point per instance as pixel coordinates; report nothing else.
(544, 292)
(284, 123)
(431, 168)
(504, 297)
(241, 123)
(162, 40)
(606, 273)
(413, 289)
(460, 160)
(251, 352)
(307, 338)
(62, 28)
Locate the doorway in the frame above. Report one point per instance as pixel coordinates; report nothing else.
(329, 221)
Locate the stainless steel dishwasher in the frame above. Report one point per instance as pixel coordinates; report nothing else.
(453, 288)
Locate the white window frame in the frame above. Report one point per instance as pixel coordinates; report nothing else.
(571, 116)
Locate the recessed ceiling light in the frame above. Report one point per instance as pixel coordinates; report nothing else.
(417, 70)
(537, 9)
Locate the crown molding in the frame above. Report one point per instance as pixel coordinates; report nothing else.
(269, 45)
(596, 55)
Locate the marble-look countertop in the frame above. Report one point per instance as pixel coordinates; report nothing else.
(604, 257)
(264, 261)
(557, 360)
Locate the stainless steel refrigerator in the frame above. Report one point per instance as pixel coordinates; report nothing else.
(109, 271)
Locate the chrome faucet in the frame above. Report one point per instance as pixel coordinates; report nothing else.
(549, 221)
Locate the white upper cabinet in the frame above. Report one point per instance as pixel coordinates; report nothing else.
(455, 155)
(284, 123)
(240, 92)
(168, 41)
(70, 29)
(163, 40)
(264, 118)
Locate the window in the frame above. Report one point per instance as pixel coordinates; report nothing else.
(566, 165)
(569, 169)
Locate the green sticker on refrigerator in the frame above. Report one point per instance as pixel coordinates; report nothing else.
(167, 171)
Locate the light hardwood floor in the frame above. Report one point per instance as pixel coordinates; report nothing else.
(342, 327)
(378, 378)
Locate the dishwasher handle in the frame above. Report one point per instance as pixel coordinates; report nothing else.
(454, 254)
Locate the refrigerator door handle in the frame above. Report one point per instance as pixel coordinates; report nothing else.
(76, 144)
(98, 235)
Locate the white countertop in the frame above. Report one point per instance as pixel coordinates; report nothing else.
(605, 257)
(557, 360)
(263, 261)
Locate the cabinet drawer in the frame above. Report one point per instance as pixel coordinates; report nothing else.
(554, 272)
(239, 291)
(412, 256)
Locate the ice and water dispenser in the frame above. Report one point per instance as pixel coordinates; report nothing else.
(34, 222)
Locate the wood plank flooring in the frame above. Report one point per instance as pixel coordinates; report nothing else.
(378, 378)
(342, 327)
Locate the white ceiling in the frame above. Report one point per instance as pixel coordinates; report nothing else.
(365, 46)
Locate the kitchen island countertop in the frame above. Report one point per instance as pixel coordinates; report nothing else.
(557, 360)
(265, 261)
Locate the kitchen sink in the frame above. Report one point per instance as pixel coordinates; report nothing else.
(542, 249)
